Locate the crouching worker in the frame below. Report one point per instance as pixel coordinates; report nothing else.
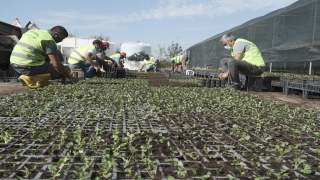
(247, 60)
(105, 61)
(150, 64)
(179, 62)
(82, 58)
(37, 58)
(117, 58)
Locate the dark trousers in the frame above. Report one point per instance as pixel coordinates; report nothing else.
(34, 70)
(239, 66)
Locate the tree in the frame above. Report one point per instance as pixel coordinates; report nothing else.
(73, 34)
(174, 49)
(161, 53)
(171, 51)
(104, 38)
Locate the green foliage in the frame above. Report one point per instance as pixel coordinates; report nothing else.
(174, 49)
(164, 64)
(101, 37)
(247, 129)
(161, 53)
(6, 137)
(165, 53)
(73, 34)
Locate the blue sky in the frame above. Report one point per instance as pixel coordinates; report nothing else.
(149, 21)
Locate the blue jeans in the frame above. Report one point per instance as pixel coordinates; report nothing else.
(152, 67)
(89, 70)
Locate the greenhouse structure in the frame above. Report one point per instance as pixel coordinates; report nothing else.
(289, 39)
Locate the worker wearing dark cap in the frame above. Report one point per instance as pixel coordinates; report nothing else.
(82, 57)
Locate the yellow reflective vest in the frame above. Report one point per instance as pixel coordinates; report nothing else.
(149, 62)
(28, 51)
(117, 55)
(253, 56)
(177, 59)
(78, 54)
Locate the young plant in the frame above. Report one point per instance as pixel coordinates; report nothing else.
(6, 136)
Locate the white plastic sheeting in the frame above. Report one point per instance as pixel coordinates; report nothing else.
(70, 43)
(112, 49)
(132, 65)
(135, 47)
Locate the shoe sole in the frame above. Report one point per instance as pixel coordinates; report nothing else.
(25, 84)
(22, 81)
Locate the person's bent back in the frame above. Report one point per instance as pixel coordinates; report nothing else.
(37, 58)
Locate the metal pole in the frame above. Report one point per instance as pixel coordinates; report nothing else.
(310, 68)
(274, 30)
(314, 22)
(270, 66)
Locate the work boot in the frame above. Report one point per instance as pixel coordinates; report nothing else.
(28, 80)
(42, 79)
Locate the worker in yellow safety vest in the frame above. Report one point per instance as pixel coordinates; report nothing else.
(118, 57)
(37, 59)
(180, 62)
(83, 58)
(150, 64)
(105, 61)
(247, 60)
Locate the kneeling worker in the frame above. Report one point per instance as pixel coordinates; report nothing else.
(117, 58)
(82, 57)
(36, 57)
(150, 64)
(105, 61)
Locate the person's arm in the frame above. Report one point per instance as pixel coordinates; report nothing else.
(109, 58)
(141, 67)
(89, 60)
(240, 48)
(224, 75)
(60, 56)
(238, 56)
(118, 62)
(120, 65)
(50, 47)
(99, 58)
(59, 67)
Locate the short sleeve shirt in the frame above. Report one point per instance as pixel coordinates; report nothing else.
(49, 46)
(101, 54)
(241, 47)
(116, 59)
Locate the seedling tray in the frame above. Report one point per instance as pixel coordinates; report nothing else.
(132, 130)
